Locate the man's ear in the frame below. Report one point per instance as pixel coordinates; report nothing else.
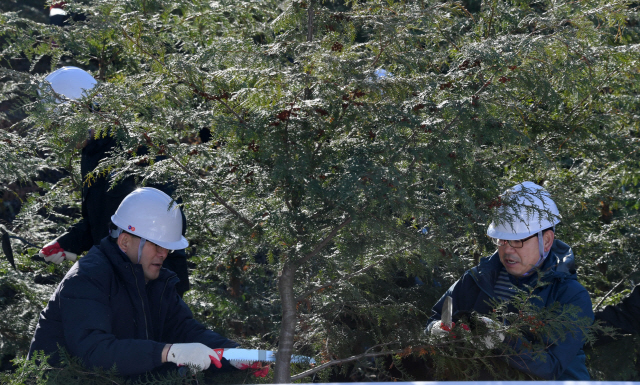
(124, 241)
(547, 239)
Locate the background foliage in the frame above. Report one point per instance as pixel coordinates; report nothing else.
(352, 155)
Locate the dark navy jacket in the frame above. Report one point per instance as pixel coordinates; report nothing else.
(624, 316)
(474, 291)
(105, 314)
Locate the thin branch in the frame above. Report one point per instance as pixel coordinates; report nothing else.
(216, 98)
(404, 147)
(493, 9)
(633, 270)
(324, 242)
(354, 358)
(379, 54)
(211, 233)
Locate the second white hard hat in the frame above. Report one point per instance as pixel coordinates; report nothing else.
(532, 211)
(72, 82)
(150, 214)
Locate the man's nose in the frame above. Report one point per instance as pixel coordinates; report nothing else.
(161, 251)
(508, 248)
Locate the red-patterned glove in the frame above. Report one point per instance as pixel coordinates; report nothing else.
(256, 368)
(54, 253)
(261, 372)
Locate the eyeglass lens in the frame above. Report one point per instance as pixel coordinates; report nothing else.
(516, 244)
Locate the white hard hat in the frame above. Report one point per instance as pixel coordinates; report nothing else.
(150, 214)
(534, 211)
(71, 82)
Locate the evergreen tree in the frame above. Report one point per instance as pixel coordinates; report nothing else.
(356, 149)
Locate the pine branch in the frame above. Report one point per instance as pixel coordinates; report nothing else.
(379, 260)
(193, 88)
(217, 196)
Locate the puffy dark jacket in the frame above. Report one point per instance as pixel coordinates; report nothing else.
(474, 291)
(105, 314)
(624, 316)
(99, 203)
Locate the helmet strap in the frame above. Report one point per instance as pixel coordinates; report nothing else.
(115, 233)
(540, 247)
(543, 254)
(142, 242)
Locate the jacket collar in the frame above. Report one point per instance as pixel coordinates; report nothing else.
(559, 264)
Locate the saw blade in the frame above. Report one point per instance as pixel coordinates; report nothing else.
(447, 311)
(253, 355)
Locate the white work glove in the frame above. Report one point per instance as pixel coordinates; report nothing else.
(54, 253)
(437, 331)
(193, 354)
(494, 335)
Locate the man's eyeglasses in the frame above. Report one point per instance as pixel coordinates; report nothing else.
(516, 243)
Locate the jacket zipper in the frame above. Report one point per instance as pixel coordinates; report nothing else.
(144, 312)
(162, 295)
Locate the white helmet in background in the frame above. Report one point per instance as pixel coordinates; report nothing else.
(533, 212)
(150, 214)
(72, 82)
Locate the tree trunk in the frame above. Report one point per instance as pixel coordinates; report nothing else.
(282, 373)
(310, 14)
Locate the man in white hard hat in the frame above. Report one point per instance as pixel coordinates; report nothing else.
(118, 306)
(525, 238)
(99, 199)
(59, 16)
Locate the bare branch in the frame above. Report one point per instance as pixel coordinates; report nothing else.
(354, 358)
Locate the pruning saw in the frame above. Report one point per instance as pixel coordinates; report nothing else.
(253, 355)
